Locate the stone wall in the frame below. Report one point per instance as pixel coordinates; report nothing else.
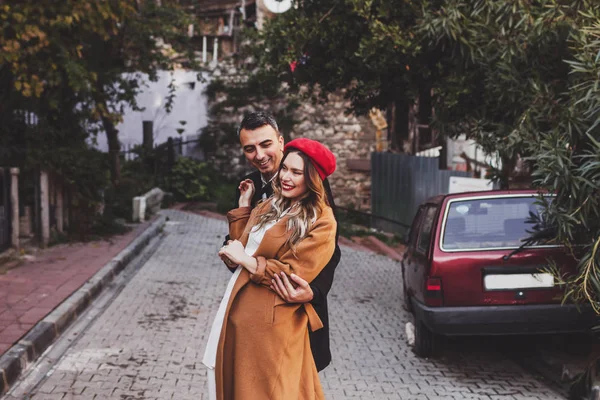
(349, 137)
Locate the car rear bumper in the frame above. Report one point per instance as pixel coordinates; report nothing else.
(506, 319)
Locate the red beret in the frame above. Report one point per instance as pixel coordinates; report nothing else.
(321, 157)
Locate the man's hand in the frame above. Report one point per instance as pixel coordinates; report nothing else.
(302, 293)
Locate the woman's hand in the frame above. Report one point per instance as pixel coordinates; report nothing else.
(226, 260)
(247, 189)
(234, 251)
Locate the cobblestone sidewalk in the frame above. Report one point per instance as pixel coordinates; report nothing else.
(31, 290)
(149, 342)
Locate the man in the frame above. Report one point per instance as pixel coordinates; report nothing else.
(262, 145)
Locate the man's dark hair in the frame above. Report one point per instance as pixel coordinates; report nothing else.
(256, 120)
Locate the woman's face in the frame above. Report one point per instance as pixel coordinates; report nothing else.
(291, 176)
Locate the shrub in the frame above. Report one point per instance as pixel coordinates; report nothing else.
(191, 180)
(119, 199)
(224, 196)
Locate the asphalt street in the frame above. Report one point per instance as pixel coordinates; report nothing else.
(148, 341)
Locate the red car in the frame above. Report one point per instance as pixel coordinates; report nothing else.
(469, 271)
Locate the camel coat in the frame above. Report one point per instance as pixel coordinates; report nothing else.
(264, 350)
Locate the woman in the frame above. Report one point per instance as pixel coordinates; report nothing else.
(263, 350)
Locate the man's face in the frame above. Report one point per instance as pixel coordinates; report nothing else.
(263, 148)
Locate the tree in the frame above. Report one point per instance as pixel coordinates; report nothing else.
(488, 62)
(501, 63)
(146, 39)
(79, 63)
(519, 77)
(537, 98)
(368, 47)
(567, 159)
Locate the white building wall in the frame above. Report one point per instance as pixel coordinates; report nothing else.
(472, 150)
(456, 147)
(190, 105)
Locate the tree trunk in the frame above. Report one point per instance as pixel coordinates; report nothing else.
(443, 158)
(508, 168)
(112, 134)
(114, 149)
(392, 134)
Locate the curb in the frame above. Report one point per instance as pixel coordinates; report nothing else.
(43, 334)
(384, 248)
(356, 243)
(349, 243)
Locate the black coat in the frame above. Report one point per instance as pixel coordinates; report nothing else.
(319, 340)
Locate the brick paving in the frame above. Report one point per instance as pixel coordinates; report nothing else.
(31, 290)
(149, 342)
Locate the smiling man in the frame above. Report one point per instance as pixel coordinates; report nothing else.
(262, 145)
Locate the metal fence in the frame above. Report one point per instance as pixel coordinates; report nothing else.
(186, 147)
(156, 162)
(400, 183)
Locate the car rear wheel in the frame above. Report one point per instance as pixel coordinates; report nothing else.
(426, 342)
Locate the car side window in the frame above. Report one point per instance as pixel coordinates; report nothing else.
(425, 229)
(414, 233)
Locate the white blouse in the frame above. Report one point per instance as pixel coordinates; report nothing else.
(210, 354)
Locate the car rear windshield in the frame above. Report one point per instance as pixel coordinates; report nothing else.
(490, 223)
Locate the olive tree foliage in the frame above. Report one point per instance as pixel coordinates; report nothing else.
(537, 99)
(74, 66)
(567, 161)
(501, 71)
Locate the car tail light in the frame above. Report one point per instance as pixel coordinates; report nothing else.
(433, 292)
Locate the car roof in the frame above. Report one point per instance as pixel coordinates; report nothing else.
(440, 198)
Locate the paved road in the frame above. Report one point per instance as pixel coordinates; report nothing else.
(149, 341)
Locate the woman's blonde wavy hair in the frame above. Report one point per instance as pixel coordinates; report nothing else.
(306, 211)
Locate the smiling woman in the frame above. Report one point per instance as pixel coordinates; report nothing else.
(291, 176)
(293, 232)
